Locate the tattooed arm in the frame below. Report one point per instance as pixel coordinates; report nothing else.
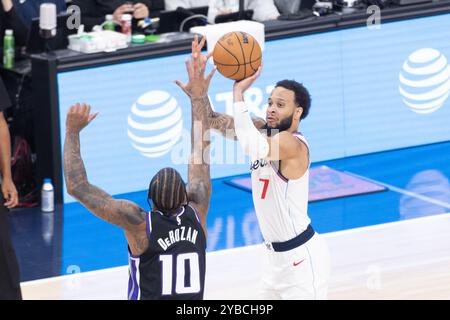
(199, 183)
(122, 213)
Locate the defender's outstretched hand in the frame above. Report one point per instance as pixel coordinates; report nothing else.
(78, 117)
(198, 84)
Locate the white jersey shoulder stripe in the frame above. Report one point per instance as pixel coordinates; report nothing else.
(301, 138)
(278, 172)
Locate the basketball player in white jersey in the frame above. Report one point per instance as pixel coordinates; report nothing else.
(297, 265)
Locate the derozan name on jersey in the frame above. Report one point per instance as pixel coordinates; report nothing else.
(178, 235)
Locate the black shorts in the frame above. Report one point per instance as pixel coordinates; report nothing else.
(9, 268)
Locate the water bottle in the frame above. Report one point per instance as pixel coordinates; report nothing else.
(126, 26)
(8, 49)
(47, 197)
(109, 23)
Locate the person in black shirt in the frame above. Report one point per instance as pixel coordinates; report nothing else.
(93, 12)
(167, 247)
(9, 268)
(30, 9)
(10, 19)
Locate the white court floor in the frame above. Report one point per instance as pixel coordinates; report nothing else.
(401, 260)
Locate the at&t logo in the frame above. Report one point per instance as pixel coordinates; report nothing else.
(155, 123)
(425, 80)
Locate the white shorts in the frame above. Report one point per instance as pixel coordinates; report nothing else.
(300, 273)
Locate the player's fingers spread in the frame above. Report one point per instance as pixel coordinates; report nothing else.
(204, 59)
(211, 74)
(207, 55)
(76, 108)
(202, 42)
(188, 67)
(197, 47)
(80, 109)
(203, 66)
(85, 109)
(198, 44)
(182, 86)
(92, 116)
(196, 63)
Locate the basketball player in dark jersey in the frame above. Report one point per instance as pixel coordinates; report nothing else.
(167, 246)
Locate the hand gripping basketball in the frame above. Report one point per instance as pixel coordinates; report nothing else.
(237, 55)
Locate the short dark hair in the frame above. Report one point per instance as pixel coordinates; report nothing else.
(302, 97)
(167, 191)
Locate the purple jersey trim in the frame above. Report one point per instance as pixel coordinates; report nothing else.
(181, 213)
(149, 224)
(132, 256)
(195, 211)
(133, 285)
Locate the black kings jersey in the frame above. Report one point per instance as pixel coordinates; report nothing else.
(173, 267)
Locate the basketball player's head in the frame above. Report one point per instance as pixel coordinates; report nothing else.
(288, 104)
(167, 191)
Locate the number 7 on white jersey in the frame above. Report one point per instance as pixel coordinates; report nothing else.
(266, 185)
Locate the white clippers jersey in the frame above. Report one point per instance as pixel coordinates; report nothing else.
(281, 205)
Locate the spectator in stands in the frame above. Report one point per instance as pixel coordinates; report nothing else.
(174, 4)
(9, 268)
(10, 19)
(263, 10)
(29, 9)
(93, 12)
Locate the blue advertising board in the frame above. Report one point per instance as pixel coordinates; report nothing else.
(371, 89)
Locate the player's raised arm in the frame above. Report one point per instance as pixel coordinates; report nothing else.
(122, 213)
(199, 180)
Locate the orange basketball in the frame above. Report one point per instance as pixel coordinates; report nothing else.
(237, 55)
